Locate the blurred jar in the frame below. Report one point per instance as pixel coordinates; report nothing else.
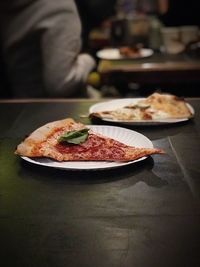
(130, 31)
(155, 38)
(189, 34)
(118, 32)
(171, 40)
(138, 30)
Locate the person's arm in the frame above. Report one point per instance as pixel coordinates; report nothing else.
(64, 69)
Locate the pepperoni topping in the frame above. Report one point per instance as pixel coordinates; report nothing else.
(94, 148)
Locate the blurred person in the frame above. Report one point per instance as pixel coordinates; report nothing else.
(41, 44)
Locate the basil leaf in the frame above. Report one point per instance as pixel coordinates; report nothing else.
(74, 137)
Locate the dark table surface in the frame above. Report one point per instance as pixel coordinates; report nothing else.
(144, 214)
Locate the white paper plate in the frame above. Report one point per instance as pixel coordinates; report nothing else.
(114, 54)
(123, 135)
(119, 103)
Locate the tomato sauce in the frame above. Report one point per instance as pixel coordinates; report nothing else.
(95, 147)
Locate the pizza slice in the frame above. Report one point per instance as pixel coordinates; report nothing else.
(67, 140)
(155, 107)
(171, 106)
(124, 114)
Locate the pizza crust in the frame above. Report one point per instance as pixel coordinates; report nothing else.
(171, 105)
(32, 146)
(155, 107)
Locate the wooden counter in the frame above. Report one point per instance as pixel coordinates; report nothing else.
(158, 69)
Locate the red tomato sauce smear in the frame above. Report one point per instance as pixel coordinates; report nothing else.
(97, 147)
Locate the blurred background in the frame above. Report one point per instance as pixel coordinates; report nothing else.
(169, 29)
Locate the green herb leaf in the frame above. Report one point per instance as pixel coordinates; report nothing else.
(74, 137)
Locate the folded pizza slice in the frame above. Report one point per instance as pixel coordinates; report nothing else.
(169, 106)
(67, 140)
(155, 107)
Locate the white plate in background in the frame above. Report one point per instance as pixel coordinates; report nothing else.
(114, 54)
(120, 103)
